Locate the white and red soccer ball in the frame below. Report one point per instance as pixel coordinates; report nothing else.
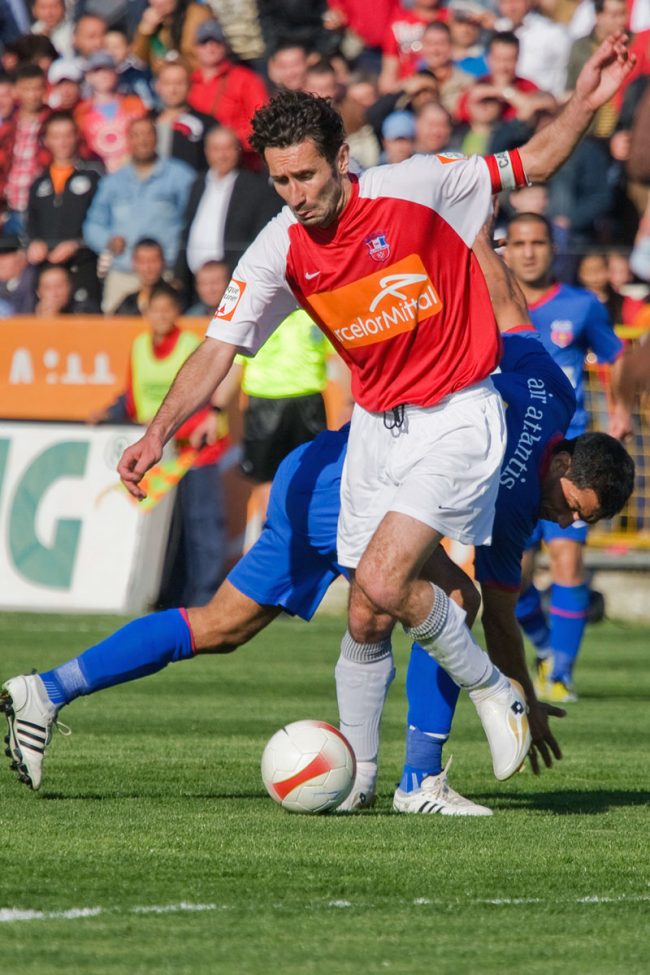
(308, 767)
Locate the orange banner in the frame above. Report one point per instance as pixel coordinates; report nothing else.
(66, 368)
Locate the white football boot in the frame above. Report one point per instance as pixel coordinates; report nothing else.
(31, 716)
(363, 793)
(504, 715)
(435, 795)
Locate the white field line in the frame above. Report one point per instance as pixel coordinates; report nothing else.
(10, 915)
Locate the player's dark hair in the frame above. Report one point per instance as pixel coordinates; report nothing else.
(602, 463)
(166, 290)
(532, 218)
(293, 116)
(503, 37)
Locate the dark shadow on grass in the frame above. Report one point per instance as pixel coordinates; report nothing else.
(571, 802)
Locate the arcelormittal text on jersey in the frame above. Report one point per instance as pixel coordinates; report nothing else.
(393, 282)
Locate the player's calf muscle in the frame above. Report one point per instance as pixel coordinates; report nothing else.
(229, 620)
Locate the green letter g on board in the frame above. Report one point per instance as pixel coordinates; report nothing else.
(54, 565)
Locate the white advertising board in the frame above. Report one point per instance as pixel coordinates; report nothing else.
(71, 539)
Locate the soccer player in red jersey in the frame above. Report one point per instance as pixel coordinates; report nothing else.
(383, 264)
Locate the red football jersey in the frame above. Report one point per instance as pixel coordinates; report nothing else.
(393, 283)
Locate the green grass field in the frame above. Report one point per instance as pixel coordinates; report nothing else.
(153, 848)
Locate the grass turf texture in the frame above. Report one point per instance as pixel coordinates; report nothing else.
(156, 801)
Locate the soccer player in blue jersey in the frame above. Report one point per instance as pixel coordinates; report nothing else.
(571, 322)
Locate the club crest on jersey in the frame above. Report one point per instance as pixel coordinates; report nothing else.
(562, 332)
(378, 246)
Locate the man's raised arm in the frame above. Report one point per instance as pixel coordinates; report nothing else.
(601, 77)
(195, 383)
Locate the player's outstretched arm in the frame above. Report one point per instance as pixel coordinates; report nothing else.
(601, 77)
(505, 646)
(194, 385)
(508, 302)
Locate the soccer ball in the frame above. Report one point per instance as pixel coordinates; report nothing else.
(308, 767)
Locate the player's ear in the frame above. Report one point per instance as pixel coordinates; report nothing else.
(560, 463)
(343, 160)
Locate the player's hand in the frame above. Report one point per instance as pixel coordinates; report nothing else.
(136, 461)
(544, 744)
(605, 71)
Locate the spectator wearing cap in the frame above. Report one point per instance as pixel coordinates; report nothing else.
(181, 129)
(50, 20)
(58, 202)
(398, 134)
(543, 45)
(437, 58)
(22, 153)
(17, 279)
(146, 197)
(105, 116)
(402, 43)
(64, 79)
(166, 27)
(133, 75)
(228, 92)
(466, 21)
(227, 208)
(520, 98)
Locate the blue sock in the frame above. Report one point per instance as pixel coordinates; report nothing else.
(568, 620)
(142, 647)
(432, 697)
(533, 622)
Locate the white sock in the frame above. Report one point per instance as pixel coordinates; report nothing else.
(445, 635)
(361, 689)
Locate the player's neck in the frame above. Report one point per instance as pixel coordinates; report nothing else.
(535, 292)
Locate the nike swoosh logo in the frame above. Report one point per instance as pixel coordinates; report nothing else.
(314, 274)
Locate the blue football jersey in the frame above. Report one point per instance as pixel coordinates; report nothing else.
(539, 402)
(571, 322)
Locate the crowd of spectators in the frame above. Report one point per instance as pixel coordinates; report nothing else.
(124, 153)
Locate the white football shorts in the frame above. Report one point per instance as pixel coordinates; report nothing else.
(441, 466)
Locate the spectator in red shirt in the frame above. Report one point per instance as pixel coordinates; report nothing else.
(369, 20)
(402, 43)
(22, 153)
(229, 92)
(521, 99)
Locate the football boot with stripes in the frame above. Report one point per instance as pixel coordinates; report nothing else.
(31, 717)
(435, 795)
(503, 712)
